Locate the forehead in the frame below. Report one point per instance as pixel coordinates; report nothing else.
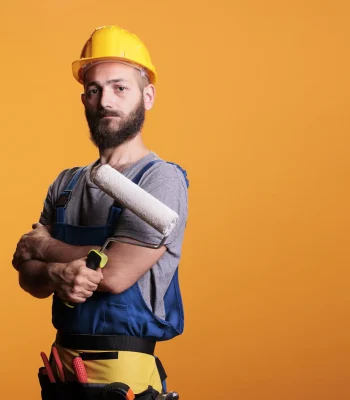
(109, 71)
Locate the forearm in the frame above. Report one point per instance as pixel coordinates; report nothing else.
(126, 265)
(59, 252)
(111, 282)
(34, 278)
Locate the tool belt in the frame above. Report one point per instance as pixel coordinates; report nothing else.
(74, 390)
(87, 391)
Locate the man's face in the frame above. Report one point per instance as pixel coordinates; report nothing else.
(114, 103)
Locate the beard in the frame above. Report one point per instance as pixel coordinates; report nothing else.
(109, 133)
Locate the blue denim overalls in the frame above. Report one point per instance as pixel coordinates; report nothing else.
(105, 313)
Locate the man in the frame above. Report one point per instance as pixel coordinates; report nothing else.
(119, 311)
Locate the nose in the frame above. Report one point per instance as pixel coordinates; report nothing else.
(107, 98)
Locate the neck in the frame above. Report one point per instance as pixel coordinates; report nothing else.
(124, 155)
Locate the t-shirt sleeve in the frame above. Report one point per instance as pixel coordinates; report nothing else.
(166, 183)
(47, 213)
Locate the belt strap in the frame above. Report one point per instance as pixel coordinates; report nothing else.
(105, 342)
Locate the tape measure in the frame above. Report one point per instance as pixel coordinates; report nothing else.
(117, 391)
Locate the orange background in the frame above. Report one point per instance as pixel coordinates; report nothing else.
(253, 100)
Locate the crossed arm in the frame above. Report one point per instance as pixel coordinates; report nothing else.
(47, 265)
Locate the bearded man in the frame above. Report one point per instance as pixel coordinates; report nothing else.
(122, 310)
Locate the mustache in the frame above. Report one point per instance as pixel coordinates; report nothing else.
(107, 113)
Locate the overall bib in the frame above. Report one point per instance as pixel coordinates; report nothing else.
(115, 334)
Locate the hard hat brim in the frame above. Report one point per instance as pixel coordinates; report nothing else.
(79, 64)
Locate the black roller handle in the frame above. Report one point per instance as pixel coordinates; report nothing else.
(93, 260)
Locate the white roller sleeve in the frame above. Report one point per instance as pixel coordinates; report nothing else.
(137, 200)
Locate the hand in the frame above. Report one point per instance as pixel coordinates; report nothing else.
(74, 282)
(31, 245)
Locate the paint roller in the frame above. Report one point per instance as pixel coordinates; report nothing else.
(134, 198)
(131, 196)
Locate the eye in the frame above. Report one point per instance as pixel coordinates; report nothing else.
(121, 88)
(92, 91)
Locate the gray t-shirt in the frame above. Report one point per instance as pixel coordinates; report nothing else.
(89, 206)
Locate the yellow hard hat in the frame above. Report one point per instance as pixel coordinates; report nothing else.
(115, 44)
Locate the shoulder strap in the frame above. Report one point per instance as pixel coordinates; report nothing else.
(63, 199)
(183, 172)
(143, 170)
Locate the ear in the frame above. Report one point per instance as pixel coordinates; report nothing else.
(149, 95)
(82, 96)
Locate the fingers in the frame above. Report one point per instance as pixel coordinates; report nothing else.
(82, 281)
(77, 291)
(91, 275)
(80, 292)
(76, 282)
(37, 225)
(15, 263)
(22, 253)
(40, 229)
(94, 276)
(76, 294)
(80, 278)
(73, 298)
(23, 249)
(90, 286)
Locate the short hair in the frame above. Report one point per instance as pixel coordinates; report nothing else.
(142, 79)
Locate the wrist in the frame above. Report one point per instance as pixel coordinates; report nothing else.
(55, 273)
